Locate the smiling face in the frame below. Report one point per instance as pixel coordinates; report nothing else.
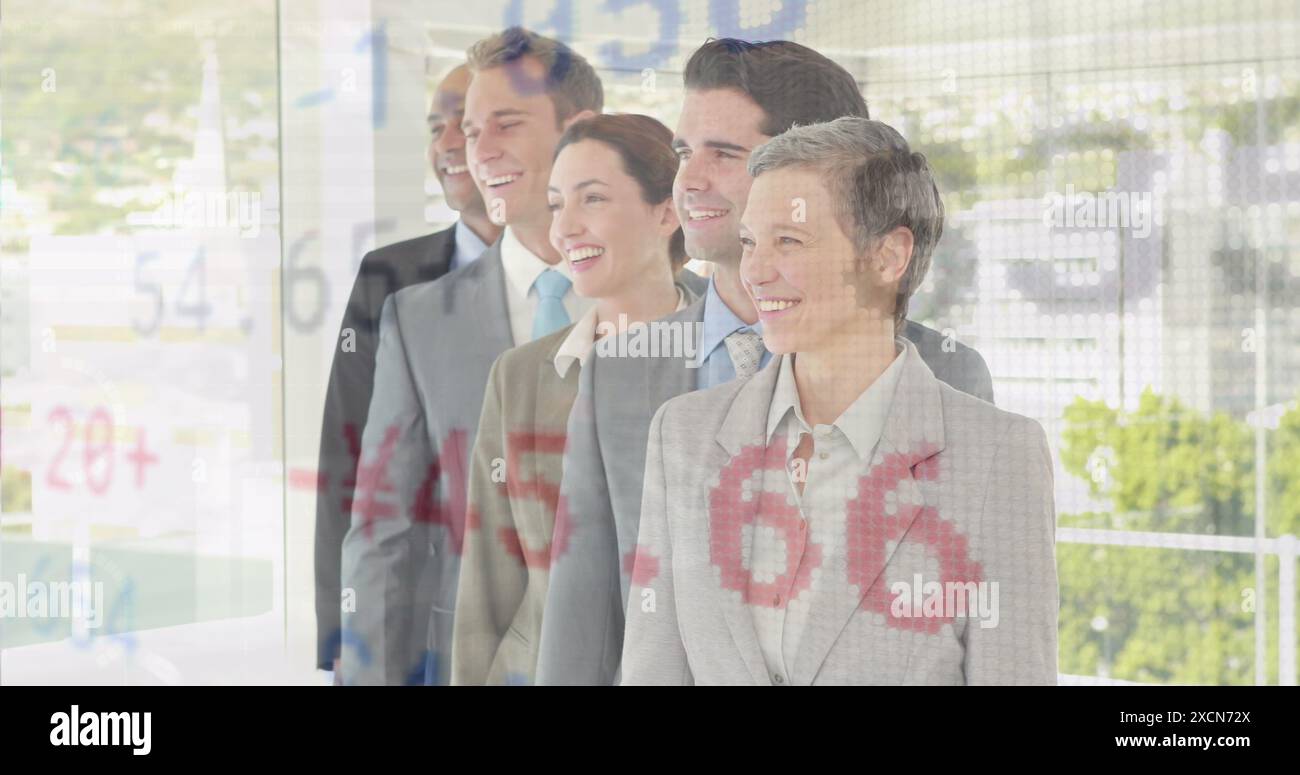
(511, 138)
(601, 223)
(447, 143)
(715, 134)
(803, 274)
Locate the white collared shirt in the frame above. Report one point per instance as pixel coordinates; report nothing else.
(577, 346)
(842, 453)
(522, 268)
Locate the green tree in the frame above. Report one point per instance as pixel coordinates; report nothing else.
(99, 104)
(1169, 615)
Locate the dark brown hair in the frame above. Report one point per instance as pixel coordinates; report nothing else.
(646, 147)
(791, 83)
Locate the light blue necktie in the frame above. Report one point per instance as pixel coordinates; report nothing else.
(551, 315)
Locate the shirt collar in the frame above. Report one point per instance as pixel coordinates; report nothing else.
(522, 266)
(862, 422)
(719, 322)
(578, 344)
(468, 245)
(785, 399)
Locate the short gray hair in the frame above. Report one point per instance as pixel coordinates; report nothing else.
(876, 181)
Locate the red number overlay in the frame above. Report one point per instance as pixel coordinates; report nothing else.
(519, 444)
(869, 529)
(729, 513)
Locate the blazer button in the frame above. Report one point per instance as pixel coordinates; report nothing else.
(778, 679)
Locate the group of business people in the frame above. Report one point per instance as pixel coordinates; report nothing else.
(517, 494)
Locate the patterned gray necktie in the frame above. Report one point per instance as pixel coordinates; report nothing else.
(746, 350)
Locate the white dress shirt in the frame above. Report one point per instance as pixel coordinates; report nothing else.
(577, 346)
(841, 454)
(522, 269)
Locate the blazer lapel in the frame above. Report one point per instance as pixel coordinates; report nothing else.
(436, 260)
(489, 300)
(667, 378)
(913, 435)
(742, 437)
(548, 428)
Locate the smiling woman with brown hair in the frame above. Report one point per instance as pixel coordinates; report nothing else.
(613, 221)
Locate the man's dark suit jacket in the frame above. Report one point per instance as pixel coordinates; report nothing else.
(383, 272)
